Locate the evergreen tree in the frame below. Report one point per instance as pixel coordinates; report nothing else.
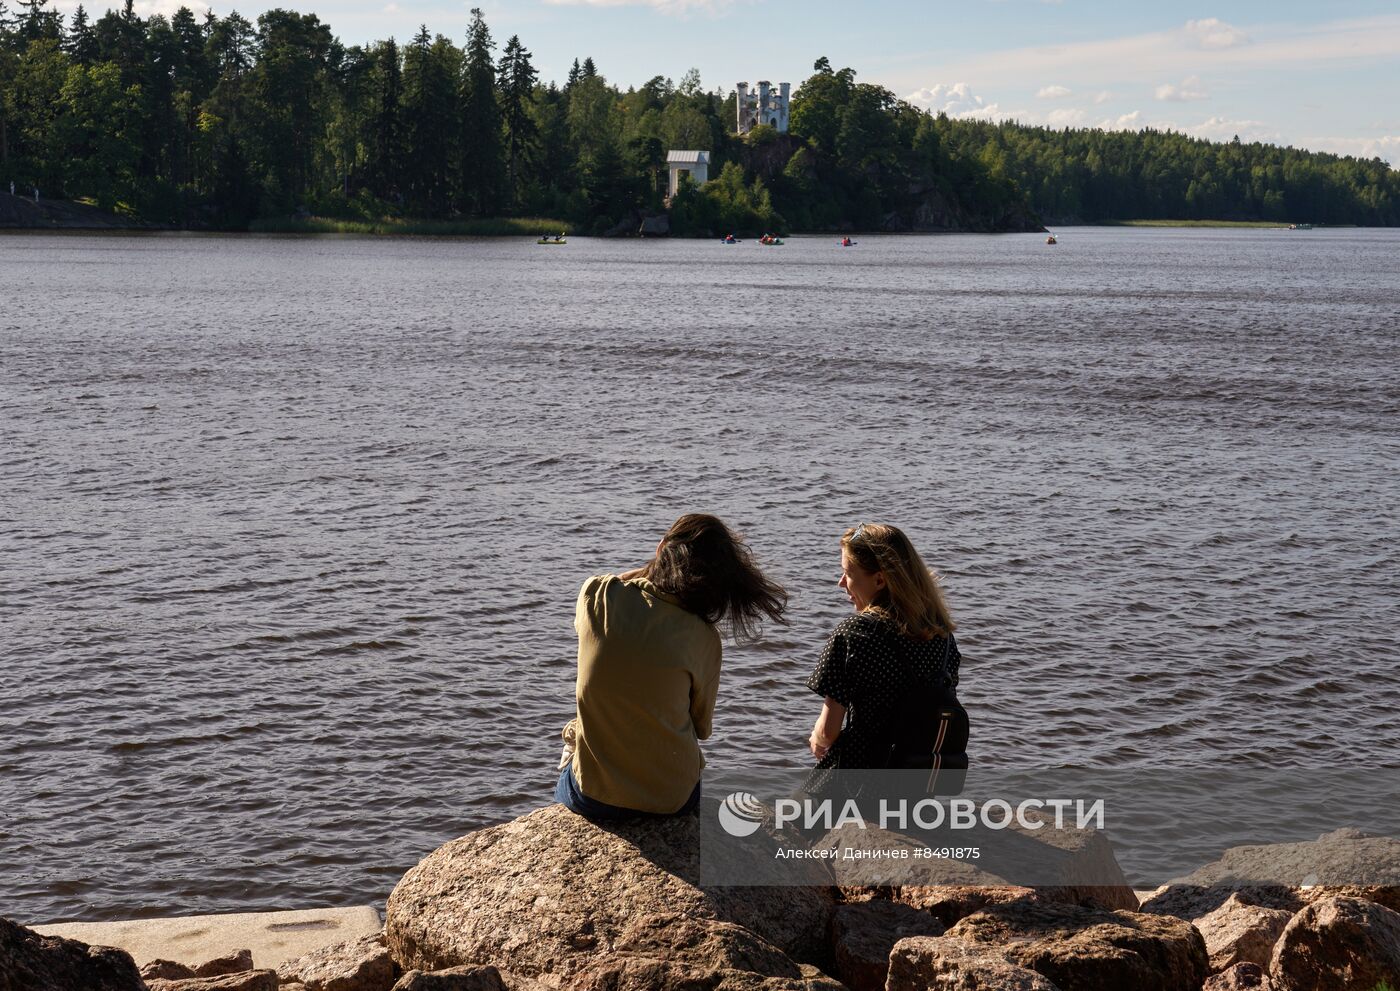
(36, 22)
(386, 156)
(574, 73)
(287, 97)
(517, 81)
(429, 91)
(482, 156)
(589, 70)
(81, 43)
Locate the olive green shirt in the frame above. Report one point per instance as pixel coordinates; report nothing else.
(648, 674)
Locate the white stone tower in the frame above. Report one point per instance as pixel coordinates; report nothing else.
(763, 107)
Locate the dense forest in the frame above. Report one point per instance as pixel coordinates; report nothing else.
(219, 122)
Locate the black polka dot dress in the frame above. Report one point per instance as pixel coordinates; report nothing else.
(868, 666)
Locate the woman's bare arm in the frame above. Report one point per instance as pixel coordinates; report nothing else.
(828, 727)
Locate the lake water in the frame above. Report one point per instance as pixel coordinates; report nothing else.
(291, 528)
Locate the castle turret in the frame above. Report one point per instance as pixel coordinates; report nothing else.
(767, 106)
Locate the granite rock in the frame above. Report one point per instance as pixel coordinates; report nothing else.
(1338, 944)
(360, 964)
(31, 962)
(1238, 932)
(922, 963)
(864, 933)
(166, 970)
(553, 893)
(232, 963)
(1091, 949)
(1240, 977)
(243, 980)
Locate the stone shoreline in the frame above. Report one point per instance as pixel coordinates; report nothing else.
(552, 901)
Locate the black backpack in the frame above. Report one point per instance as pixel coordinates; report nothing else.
(931, 733)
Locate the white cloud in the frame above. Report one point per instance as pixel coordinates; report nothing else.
(1386, 147)
(1182, 50)
(1103, 97)
(1188, 90)
(1065, 117)
(1053, 92)
(1225, 128)
(143, 8)
(957, 101)
(392, 8)
(1123, 122)
(1215, 33)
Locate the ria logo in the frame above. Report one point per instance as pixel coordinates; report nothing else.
(741, 814)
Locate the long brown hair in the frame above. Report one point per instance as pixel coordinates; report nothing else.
(712, 572)
(911, 596)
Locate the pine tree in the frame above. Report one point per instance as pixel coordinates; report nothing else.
(574, 73)
(81, 42)
(37, 23)
(482, 157)
(589, 69)
(429, 92)
(386, 155)
(517, 79)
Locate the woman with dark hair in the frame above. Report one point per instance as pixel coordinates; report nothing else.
(888, 674)
(648, 670)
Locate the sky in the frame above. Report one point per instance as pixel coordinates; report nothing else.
(1317, 75)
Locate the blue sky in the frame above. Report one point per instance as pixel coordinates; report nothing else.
(1321, 75)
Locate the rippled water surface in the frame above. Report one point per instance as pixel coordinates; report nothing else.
(291, 529)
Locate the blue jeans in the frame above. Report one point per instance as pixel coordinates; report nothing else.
(567, 794)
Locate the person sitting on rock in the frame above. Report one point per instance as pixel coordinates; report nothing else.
(648, 670)
(888, 675)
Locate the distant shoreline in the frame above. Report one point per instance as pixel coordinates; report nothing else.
(87, 220)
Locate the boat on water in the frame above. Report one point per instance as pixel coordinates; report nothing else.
(1300, 227)
(846, 242)
(553, 239)
(1051, 240)
(731, 239)
(769, 239)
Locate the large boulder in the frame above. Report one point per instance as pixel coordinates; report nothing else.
(922, 963)
(31, 962)
(1238, 932)
(1342, 863)
(864, 933)
(1091, 949)
(1338, 944)
(1191, 901)
(471, 977)
(623, 973)
(1240, 977)
(1076, 866)
(551, 893)
(243, 980)
(360, 964)
(950, 904)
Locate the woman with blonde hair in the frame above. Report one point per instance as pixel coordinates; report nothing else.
(888, 674)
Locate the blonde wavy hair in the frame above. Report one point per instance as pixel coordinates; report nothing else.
(911, 596)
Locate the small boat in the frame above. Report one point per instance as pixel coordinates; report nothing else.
(770, 240)
(556, 239)
(730, 240)
(846, 242)
(1051, 240)
(1300, 227)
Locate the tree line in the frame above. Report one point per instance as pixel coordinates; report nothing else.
(218, 121)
